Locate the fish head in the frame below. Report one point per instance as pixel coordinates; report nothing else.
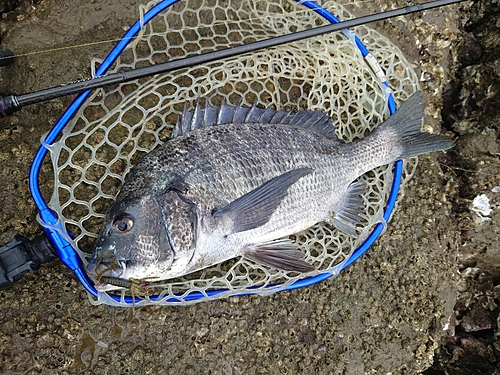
(144, 239)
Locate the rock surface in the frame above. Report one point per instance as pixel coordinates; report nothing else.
(388, 313)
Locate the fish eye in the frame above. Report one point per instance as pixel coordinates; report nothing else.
(123, 223)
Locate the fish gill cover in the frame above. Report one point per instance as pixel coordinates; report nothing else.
(119, 125)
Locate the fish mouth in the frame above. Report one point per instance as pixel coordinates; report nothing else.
(106, 264)
(105, 287)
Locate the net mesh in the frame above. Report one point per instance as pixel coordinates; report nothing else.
(118, 125)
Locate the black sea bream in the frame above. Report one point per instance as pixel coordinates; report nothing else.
(234, 181)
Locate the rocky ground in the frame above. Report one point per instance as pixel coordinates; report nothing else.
(425, 299)
(472, 111)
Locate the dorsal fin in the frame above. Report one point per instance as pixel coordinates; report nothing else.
(315, 121)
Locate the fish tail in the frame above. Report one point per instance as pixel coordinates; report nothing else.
(405, 126)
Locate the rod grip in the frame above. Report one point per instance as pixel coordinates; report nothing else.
(8, 105)
(6, 57)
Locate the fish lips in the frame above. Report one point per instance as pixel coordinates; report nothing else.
(105, 263)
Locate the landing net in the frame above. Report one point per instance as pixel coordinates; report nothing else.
(116, 126)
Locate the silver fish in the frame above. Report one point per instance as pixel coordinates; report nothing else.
(234, 181)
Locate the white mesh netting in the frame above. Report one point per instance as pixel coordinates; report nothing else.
(118, 125)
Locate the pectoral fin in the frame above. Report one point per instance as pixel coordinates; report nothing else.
(348, 210)
(255, 208)
(281, 254)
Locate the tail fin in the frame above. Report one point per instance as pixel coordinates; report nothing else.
(405, 125)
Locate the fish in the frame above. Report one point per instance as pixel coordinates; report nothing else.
(236, 181)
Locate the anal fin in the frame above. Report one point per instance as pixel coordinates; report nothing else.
(349, 208)
(281, 254)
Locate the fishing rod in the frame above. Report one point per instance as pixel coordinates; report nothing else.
(22, 255)
(12, 103)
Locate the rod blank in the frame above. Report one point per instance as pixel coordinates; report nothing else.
(12, 103)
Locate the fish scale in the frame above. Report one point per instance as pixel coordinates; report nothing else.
(265, 161)
(224, 190)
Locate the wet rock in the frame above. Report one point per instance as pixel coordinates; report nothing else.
(472, 112)
(471, 50)
(474, 144)
(477, 319)
(474, 346)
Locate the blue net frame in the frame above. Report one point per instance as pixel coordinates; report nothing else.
(54, 228)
